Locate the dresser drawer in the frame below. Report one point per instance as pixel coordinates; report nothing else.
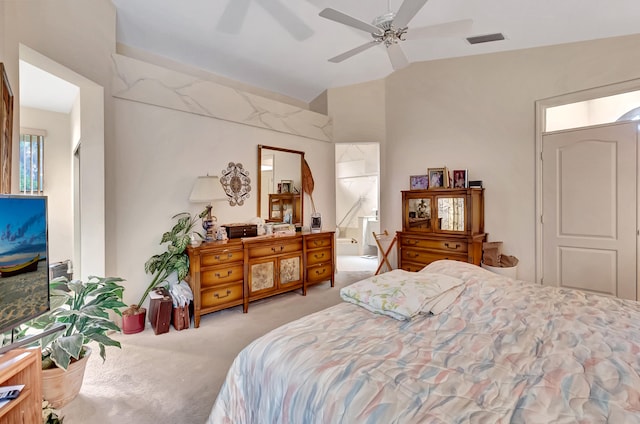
(319, 273)
(411, 266)
(454, 246)
(319, 242)
(275, 248)
(318, 256)
(221, 275)
(221, 256)
(221, 295)
(426, 257)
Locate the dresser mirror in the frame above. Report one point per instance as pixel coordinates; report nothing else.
(280, 185)
(419, 211)
(451, 214)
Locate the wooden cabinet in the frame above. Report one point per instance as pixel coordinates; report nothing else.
(272, 266)
(216, 272)
(223, 274)
(285, 208)
(22, 366)
(441, 224)
(319, 259)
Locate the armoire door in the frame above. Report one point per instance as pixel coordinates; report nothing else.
(589, 209)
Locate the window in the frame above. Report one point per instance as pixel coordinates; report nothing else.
(31, 163)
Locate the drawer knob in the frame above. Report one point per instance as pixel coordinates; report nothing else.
(320, 256)
(454, 247)
(274, 250)
(218, 257)
(223, 276)
(220, 297)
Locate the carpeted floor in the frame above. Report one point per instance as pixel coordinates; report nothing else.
(174, 378)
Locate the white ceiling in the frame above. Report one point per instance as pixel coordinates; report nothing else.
(284, 46)
(42, 90)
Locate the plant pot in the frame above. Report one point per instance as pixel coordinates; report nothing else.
(60, 387)
(134, 323)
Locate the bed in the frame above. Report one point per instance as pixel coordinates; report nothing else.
(501, 351)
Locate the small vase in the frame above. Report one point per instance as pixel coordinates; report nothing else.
(132, 324)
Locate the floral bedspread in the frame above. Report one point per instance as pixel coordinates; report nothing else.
(505, 351)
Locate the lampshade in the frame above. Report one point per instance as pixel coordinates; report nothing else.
(207, 189)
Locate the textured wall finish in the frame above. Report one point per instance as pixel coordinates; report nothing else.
(146, 83)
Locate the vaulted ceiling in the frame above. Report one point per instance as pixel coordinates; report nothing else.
(284, 45)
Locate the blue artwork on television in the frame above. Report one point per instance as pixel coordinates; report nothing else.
(24, 270)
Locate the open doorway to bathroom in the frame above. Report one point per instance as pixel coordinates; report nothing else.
(357, 205)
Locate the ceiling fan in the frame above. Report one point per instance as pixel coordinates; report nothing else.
(391, 28)
(236, 11)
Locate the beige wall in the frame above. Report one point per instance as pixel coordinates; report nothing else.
(478, 113)
(151, 154)
(475, 112)
(160, 152)
(75, 39)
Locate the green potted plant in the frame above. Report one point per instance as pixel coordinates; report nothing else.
(160, 266)
(85, 309)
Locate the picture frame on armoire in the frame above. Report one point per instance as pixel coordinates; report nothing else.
(418, 182)
(460, 178)
(438, 177)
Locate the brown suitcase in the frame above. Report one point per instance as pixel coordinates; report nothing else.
(160, 307)
(181, 317)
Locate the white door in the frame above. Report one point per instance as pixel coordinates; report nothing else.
(589, 209)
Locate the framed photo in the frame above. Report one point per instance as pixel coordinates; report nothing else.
(419, 182)
(286, 186)
(460, 178)
(438, 177)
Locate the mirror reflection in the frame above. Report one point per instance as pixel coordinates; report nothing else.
(419, 213)
(451, 213)
(280, 185)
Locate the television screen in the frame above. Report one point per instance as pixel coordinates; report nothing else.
(24, 265)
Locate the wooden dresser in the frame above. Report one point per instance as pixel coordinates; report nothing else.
(216, 272)
(441, 224)
(22, 366)
(224, 274)
(319, 259)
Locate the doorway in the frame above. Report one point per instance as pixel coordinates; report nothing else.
(584, 109)
(357, 205)
(86, 121)
(589, 228)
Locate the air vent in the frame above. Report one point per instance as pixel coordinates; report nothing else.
(485, 38)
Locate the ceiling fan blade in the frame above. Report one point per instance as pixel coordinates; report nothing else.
(342, 18)
(353, 52)
(407, 11)
(289, 20)
(448, 29)
(397, 57)
(233, 16)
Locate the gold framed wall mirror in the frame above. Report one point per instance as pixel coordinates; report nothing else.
(280, 196)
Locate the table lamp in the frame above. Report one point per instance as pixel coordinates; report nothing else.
(207, 189)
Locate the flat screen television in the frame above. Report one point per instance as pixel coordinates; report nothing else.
(24, 259)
